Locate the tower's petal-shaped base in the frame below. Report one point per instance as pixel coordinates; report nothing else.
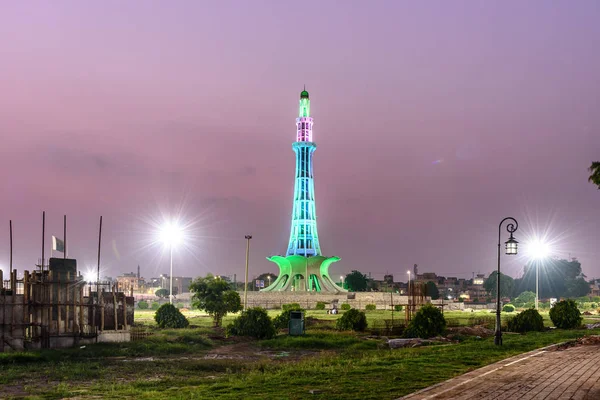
(304, 274)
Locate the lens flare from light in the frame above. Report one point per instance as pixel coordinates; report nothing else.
(171, 233)
(538, 249)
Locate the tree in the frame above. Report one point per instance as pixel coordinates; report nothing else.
(213, 295)
(524, 298)
(431, 290)
(506, 284)
(557, 278)
(595, 173)
(164, 293)
(356, 281)
(577, 287)
(268, 277)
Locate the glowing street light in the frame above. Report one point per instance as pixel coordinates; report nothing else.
(511, 247)
(538, 251)
(171, 235)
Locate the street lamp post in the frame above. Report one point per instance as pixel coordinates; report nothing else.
(408, 288)
(511, 246)
(171, 274)
(539, 251)
(342, 280)
(171, 235)
(247, 237)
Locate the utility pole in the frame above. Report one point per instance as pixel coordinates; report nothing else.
(248, 237)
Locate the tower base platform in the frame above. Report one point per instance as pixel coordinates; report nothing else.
(304, 274)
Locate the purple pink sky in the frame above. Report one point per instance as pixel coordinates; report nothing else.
(434, 120)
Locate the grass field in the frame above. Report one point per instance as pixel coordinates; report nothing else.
(199, 363)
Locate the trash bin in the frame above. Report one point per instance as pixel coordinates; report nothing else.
(296, 325)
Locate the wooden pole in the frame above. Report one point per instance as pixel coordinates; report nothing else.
(99, 245)
(43, 234)
(11, 247)
(65, 237)
(58, 299)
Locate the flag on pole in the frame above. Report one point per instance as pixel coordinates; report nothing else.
(57, 244)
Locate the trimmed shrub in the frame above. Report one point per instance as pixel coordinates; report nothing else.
(167, 316)
(565, 315)
(282, 321)
(352, 320)
(155, 305)
(370, 307)
(526, 321)
(143, 305)
(427, 322)
(179, 306)
(508, 308)
(398, 307)
(253, 322)
(320, 305)
(291, 307)
(345, 307)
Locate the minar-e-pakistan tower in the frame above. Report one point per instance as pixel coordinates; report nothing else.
(304, 268)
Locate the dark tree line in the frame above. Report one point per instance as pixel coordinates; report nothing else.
(557, 278)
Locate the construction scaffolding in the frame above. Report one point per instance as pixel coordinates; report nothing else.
(54, 307)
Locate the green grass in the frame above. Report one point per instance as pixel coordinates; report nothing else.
(175, 363)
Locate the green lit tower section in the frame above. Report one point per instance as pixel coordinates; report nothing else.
(304, 268)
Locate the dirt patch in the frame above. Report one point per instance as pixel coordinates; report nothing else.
(9, 391)
(584, 341)
(471, 331)
(248, 351)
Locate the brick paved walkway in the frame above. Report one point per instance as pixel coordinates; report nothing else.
(573, 373)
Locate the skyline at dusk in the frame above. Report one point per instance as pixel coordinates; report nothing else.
(433, 121)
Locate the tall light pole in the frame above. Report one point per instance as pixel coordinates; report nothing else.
(408, 294)
(171, 235)
(171, 274)
(539, 251)
(248, 237)
(511, 246)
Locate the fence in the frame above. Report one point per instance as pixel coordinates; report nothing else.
(53, 309)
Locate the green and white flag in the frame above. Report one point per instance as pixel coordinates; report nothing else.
(57, 244)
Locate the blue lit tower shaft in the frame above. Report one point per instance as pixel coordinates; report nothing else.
(304, 240)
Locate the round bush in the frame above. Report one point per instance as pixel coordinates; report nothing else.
(155, 305)
(143, 305)
(320, 305)
(565, 315)
(427, 322)
(282, 321)
(168, 316)
(508, 308)
(370, 307)
(254, 322)
(345, 307)
(526, 321)
(398, 307)
(352, 320)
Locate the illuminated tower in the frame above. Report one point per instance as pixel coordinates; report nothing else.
(304, 268)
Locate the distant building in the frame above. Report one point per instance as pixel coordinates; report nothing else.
(130, 281)
(181, 284)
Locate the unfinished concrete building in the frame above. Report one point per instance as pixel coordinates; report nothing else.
(54, 307)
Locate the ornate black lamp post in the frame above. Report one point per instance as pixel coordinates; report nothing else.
(511, 246)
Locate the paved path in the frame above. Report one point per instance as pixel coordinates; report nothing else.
(572, 373)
